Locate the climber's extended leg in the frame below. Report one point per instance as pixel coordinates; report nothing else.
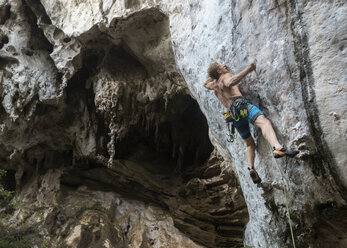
(242, 127)
(250, 151)
(250, 155)
(269, 134)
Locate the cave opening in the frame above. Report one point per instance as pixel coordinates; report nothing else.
(167, 133)
(8, 180)
(177, 143)
(174, 141)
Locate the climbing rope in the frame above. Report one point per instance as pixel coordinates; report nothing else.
(260, 79)
(286, 199)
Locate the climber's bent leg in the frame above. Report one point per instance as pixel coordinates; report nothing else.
(268, 132)
(257, 118)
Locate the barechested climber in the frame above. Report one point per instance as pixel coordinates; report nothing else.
(242, 112)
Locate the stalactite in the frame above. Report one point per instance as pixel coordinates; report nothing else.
(111, 145)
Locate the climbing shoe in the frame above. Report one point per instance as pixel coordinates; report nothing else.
(254, 175)
(284, 152)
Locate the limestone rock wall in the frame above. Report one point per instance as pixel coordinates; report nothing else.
(290, 41)
(109, 93)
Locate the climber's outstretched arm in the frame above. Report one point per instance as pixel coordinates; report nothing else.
(233, 80)
(209, 84)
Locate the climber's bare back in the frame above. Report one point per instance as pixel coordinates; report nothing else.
(226, 94)
(226, 86)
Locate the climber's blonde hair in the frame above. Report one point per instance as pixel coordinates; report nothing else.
(212, 70)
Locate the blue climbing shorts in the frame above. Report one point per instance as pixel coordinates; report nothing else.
(242, 125)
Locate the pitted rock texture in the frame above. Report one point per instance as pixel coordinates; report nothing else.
(112, 90)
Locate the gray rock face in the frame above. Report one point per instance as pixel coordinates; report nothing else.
(291, 43)
(104, 99)
(280, 36)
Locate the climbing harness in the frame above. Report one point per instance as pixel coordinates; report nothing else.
(238, 110)
(231, 134)
(228, 117)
